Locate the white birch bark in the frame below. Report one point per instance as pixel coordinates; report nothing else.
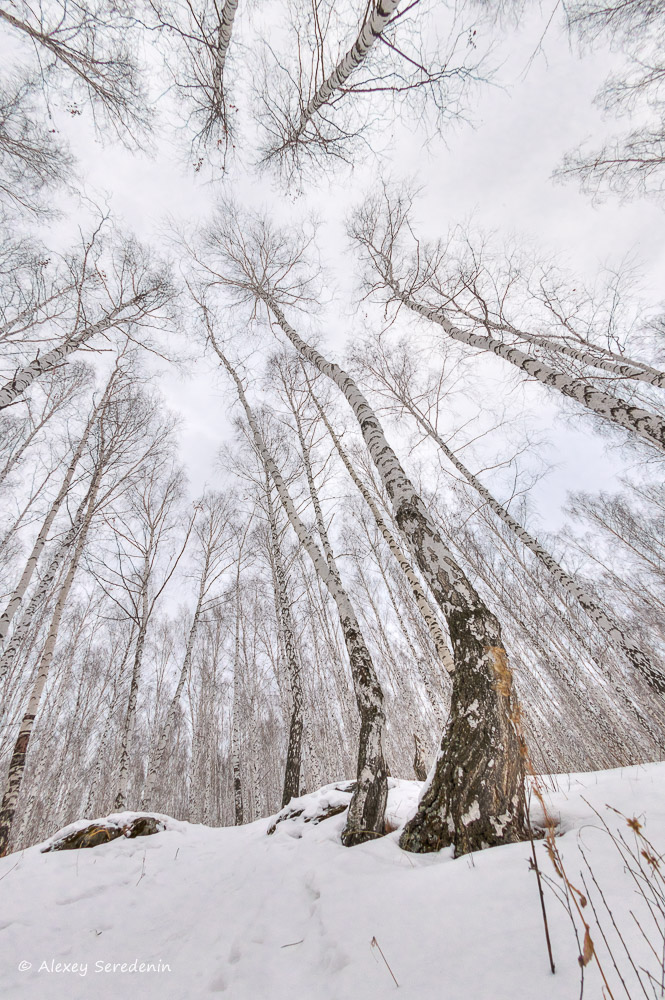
(367, 808)
(600, 618)
(238, 803)
(221, 48)
(593, 356)
(32, 560)
(482, 743)
(130, 715)
(25, 376)
(422, 603)
(92, 787)
(293, 768)
(17, 763)
(646, 425)
(373, 27)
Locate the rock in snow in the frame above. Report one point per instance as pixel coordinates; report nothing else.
(195, 912)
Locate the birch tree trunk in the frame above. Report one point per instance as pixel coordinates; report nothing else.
(646, 425)
(640, 662)
(218, 108)
(367, 808)
(24, 377)
(374, 25)
(293, 768)
(590, 354)
(107, 727)
(130, 715)
(18, 759)
(422, 603)
(476, 797)
(32, 560)
(238, 804)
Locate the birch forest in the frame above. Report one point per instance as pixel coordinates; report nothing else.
(305, 475)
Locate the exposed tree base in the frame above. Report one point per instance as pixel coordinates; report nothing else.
(476, 797)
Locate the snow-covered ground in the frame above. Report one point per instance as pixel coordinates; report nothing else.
(293, 915)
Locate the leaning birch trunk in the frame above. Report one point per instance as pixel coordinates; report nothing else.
(422, 603)
(17, 763)
(40, 541)
(24, 377)
(293, 767)
(476, 796)
(371, 30)
(158, 756)
(366, 814)
(603, 360)
(640, 662)
(130, 715)
(646, 425)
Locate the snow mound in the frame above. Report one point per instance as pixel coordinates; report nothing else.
(195, 912)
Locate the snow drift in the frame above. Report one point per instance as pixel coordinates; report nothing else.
(194, 911)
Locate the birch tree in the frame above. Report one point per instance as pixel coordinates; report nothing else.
(412, 281)
(321, 105)
(202, 35)
(398, 385)
(80, 528)
(130, 294)
(366, 811)
(42, 537)
(213, 540)
(476, 797)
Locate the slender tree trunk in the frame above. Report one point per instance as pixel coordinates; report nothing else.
(24, 377)
(604, 360)
(130, 716)
(158, 756)
(238, 804)
(17, 763)
(293, 769)
(367, 808)
(646, 425)
(422, 603)
(476, 797)
(375, 23)
(107, 727)
(223, 41)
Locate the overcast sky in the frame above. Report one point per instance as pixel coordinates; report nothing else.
(497, 173)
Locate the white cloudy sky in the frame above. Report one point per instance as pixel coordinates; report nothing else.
(496, 172)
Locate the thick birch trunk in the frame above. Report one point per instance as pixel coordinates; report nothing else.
(24, 377)
(367, 808)
(476, 797)
(293, 768)
(40, 541)
(640, 662)
(17, 763)
(646, 425)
